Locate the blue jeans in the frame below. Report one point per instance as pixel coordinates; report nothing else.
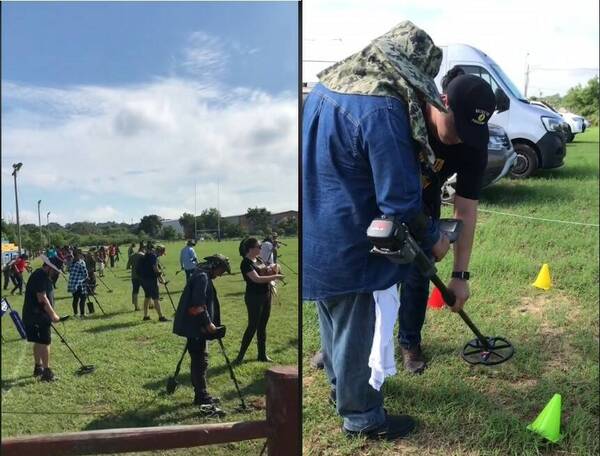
(413, 305)
(347, 324)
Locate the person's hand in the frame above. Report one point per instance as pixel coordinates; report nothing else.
(440, 248)
(460, 288)
(279, 276)
(211, 328)
(55, 318)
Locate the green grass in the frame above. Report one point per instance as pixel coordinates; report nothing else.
(464, 410)
(135, 358)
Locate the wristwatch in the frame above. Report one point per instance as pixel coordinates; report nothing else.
(462, 275)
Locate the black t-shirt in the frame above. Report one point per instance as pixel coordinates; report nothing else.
(468, 164)
(38, 282)
(146, 265)
(251, 287)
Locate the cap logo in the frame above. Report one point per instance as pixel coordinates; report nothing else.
(481, 117)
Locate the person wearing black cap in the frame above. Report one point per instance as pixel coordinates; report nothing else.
(149, 273)
(198, 318)
(459, 139)
(38, 313)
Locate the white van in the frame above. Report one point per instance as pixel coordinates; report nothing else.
(535, 132)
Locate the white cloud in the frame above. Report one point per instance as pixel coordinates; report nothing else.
(153, 142)
(555, 34)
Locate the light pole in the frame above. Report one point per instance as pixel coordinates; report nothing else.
(40, 224)
(16, 168)
(48, 227)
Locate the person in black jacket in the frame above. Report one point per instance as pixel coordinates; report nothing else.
(198, 318)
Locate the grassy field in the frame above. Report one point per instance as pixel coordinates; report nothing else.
(135, 358)
(464, 410)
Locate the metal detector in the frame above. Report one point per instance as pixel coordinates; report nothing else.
(242, 407)
(93, 295)
(169, 294)
(392, 240)
(279, 261)
(172, 381)
(103, 283)
(84, 369)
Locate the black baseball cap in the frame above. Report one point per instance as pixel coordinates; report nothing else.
(473, 102)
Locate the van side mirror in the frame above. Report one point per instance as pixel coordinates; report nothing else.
(502, 101)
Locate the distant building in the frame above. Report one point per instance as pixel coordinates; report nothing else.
(243, 222)
(175, 224)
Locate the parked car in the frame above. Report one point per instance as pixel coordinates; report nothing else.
(535, 132)
(501, 155)
(501, 159)
(573, 123)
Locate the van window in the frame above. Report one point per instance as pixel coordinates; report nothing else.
(482, 73)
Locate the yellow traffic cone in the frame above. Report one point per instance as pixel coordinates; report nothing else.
(543, 280)
(547, 424)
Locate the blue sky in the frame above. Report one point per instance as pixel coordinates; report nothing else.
(118, 109)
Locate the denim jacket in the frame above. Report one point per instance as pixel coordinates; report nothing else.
(358, 162)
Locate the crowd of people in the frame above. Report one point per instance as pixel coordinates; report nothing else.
(197, 317)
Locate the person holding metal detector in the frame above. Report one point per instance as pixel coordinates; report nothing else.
(38, 315)
(364, 143)
(258, 277)
(150, 275)
(198, 318)
(135, 276)
(459, 139)
(78, 283)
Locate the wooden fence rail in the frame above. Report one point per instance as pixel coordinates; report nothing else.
(281, 429)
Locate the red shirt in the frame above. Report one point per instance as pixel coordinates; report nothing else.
(20, 264)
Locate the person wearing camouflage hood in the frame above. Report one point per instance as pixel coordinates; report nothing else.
(364, 148)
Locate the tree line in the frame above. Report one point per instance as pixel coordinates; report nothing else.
(149, 227)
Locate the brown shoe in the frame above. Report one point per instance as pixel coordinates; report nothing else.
(413, 359)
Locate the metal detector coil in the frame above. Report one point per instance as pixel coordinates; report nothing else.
(391, 239)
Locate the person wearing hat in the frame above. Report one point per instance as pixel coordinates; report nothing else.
(187, 259)
(459, 138)
(364, 146)
(149, 273)
(38, 314)
(276, 243)
(198, 318)
(130, 252)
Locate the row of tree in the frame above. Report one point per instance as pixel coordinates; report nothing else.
(581, 100)
(258, 222)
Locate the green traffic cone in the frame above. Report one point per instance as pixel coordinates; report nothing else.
(547, 424)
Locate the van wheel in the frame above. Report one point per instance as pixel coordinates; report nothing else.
(570, 135)
(526, 162)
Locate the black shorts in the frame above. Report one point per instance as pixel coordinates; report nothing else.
(135, 283)
(150, 287)
(38, 333)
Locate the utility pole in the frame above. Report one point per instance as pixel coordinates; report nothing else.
(48, 227)
(16, 168)
(195, 210)
(40, 224)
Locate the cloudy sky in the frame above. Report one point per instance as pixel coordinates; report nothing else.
(560, 37)
(118, 110)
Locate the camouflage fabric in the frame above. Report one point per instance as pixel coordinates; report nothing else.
(401, 64)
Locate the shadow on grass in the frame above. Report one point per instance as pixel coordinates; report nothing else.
(114, 326)
(235, 293)
(569, 172)
(18, 381)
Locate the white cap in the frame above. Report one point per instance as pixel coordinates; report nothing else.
(47, 262)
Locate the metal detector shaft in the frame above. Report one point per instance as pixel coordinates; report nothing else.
(68, 346)
(231, 373)
(279, 261)
(169, 295)
(103, 283)
(97, 302)
(428, 269)
(178, 368)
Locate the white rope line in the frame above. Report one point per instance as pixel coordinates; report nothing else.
(538, 218)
